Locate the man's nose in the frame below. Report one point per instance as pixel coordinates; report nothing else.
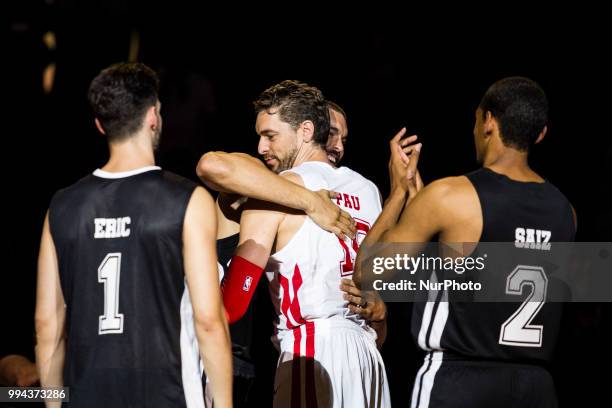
(338, 146)
(263, 146)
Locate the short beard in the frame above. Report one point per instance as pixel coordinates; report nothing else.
(288, 162)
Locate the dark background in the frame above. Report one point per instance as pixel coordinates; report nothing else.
(385, 71)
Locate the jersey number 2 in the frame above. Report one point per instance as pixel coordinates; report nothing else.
(518, 330)
(347, 263)
(108, 274)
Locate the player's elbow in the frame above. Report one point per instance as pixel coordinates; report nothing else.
(213, 168)
(209, 321)
(47, 328)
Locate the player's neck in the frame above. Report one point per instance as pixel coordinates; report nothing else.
(512, 163)
(134, 153)
(311, 154)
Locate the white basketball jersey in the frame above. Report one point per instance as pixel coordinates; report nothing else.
(305, 274)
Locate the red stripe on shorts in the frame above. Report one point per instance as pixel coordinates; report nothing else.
(296, 388)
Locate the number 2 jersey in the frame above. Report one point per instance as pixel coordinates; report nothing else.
(305, 274)
(524, 213)
(130, 336)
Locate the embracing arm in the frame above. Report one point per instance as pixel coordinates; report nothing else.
(242, 174)
(258, 229)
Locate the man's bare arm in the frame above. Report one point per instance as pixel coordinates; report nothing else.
(447, 206)
(419, 219)
(50, 315)
(242, 174)
(200, 260)
(259, 226)
(405, 184)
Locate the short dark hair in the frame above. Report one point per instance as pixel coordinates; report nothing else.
(297, 102)
(521, 109)
(121, 95)
(334, 106)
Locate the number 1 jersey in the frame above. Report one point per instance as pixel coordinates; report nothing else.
(129, 326)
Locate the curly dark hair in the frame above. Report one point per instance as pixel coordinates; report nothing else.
(521, 109)
(297, 102)
(121, 95)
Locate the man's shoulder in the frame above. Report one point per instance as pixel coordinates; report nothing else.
(450, 185)
(450, 192)
(76, 188)
(293, 176)
(312, 175)
(358, 177)
(311, 167)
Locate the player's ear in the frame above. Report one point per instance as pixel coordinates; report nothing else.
(541, 135)
(99, 126)
(490, 125)
(151, 118)
(307, 128)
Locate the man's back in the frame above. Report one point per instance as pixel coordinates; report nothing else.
(523, 213)
(306, 269)
(118, 238)
(315, 328)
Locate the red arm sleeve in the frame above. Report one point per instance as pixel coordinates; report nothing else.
(238, 287)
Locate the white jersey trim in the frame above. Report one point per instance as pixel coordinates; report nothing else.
(424, 383)
(121, 174)
(437, 321)
(191, 364)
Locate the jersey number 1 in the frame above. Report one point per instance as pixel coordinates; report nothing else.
(108, 274)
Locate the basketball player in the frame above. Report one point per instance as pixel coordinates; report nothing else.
(122, 253)
(304, 264)
(238, 175)
(475, 357)
(338, 133)
(245, 176)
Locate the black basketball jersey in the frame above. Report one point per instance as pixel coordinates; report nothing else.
(512, 211)
(130, 335)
